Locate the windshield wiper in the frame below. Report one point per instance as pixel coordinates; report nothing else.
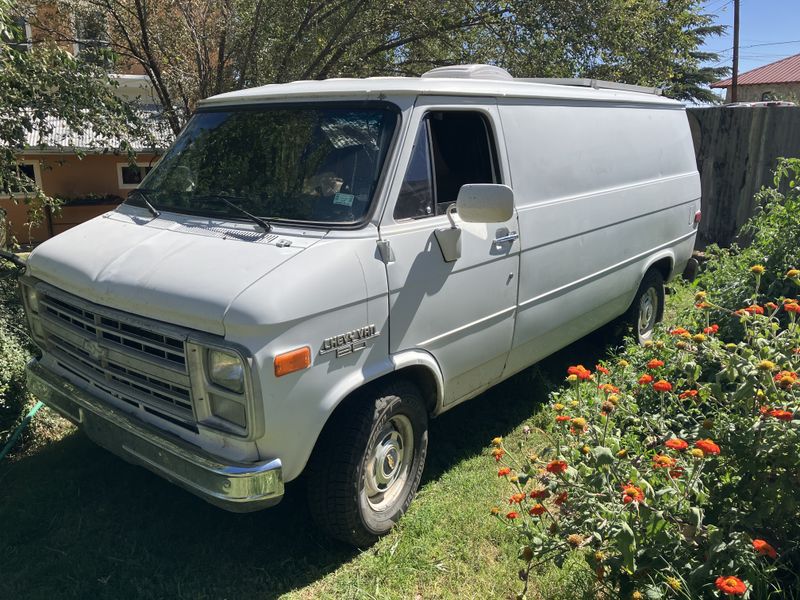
(142, 193)
(257, 220)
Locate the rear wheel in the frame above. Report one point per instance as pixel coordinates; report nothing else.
(647, 308)
(368, 463)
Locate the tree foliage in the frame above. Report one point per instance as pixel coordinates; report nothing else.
(195, 48)
(44, 83)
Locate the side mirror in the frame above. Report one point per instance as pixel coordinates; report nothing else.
(485, 203)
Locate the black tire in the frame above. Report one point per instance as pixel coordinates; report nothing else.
(341, 472)
(651, 292)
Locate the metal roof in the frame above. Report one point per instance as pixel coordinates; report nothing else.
(57, 136)
(786, 70)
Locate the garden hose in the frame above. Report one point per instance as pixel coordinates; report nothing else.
(20, 428)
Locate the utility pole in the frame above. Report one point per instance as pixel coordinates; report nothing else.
(735, 79)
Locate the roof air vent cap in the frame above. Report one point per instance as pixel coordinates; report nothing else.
(468, 72)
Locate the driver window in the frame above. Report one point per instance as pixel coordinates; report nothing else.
(451, 149)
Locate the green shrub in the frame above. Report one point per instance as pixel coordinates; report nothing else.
(15, 350)
(674, 472)
(774, 235)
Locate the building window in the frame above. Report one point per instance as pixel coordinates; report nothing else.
(130, 176)
(19, 35)
(91, 37)
(26, 170)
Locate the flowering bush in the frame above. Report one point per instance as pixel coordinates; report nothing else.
(673, 470)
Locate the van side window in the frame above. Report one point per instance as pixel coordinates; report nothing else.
(452, 148)
(416, 193)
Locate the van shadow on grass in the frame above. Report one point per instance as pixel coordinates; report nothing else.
(77, 522)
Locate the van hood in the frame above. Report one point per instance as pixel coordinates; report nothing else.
(180, 269)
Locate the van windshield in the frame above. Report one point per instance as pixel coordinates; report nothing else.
(309, 164)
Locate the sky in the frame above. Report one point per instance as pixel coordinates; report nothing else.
(769, 31)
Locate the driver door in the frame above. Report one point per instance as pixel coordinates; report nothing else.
(462, 312)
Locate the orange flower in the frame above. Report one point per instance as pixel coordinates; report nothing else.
(609, 389)
(537, 509)
(771, 306)
(516, 498)
(563, 418)
(731, 585)
(662, 386)
(786, 379)
(512, 515)
(631, 493)
(662, 461)
(781, 415)
(702, 305)
(503, 472)
(755, 309)
(601, 369)
(556, 466)
(539, 494)
(580, 371)
(792, 307)
(678, 331)
(676, 444)
(498, 454)
(677, 472)
(688, 394)
(645, 379)
(561, 498)
(707, 446)
(655, 364)
(764, 549)
(712, 329)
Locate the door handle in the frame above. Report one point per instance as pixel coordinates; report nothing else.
(506, 238)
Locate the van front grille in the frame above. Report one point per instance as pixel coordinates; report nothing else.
(127, 357)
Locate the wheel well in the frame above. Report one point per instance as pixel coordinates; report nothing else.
(663, 266)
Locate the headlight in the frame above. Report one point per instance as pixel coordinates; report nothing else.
(32, 298)
(226, 369)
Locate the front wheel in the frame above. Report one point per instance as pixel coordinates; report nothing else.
(368, 463)
(647, 308)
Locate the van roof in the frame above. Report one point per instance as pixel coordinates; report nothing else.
(458, 80)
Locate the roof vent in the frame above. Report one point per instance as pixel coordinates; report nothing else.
(468, 72)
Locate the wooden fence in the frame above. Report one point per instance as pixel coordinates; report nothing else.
(737, 149)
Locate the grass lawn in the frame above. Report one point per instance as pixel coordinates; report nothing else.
(78, 522)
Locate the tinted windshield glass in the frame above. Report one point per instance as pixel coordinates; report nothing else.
(300, 164)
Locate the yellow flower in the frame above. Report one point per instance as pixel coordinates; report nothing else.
(572, 378)
(614, 399)
(622, 453)
(659, 344)
(674, 583)
(533, 457)
(637, 596)
(700, 296)
(623, 363)
(766, 365)
(648, 344)
(730, 347)
(757, 269)
(586, 449)
(497, 441)
(697, 453)
(558, 407)
(513, 479)
(495, 510)
(680, 345)
(760, 393)
(579, 422)
(699, 338)
(573, 403)
(793, 273)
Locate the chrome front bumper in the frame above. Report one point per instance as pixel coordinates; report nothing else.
(232, 486)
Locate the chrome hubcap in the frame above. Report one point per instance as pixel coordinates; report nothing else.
(389, 462)
(648, 309)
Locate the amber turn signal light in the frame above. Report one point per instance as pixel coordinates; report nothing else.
(294, 360)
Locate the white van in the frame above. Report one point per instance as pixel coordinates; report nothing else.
(316, 269)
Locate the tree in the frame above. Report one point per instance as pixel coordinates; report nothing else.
(43, 83)
(195, 48)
